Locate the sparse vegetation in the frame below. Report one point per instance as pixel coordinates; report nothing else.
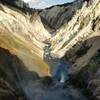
(35, 76)
(83, 50)
(86, 74)
(94, 63)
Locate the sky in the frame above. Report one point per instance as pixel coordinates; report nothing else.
(40, 4)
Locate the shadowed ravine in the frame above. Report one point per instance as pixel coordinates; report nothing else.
(52, 88)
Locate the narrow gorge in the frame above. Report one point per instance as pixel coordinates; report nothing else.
(51, 53)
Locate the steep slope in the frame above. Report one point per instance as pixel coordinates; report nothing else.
(78, 41)
(80, 28)
(12, 71)
(19, 36)
(16, 3)
(40, 33)
(55, 16)
(24, 36)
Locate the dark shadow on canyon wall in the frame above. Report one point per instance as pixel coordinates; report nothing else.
(86, 75)
(18, 4)
(12, 71)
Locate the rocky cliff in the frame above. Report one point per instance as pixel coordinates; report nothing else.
(20, 35)
(79, 41)
(55, 16)
(23, 37)
(12, 71)
(16, 3)
(80, 28)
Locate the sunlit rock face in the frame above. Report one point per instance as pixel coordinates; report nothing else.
(80, 28)
(55, 16)
(19, 34)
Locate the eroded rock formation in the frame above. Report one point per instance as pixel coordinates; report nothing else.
(55, 16)
(21, 36)
(77, 38)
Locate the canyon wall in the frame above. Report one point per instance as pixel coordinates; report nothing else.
(21, 36)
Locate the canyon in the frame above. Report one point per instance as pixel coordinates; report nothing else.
(46, 53)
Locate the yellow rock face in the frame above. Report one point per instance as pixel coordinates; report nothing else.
(17, 34)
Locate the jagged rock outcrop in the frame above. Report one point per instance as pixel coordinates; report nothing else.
(19, 34)
(55, 16)
(80, 28)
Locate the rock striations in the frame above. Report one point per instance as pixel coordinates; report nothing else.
(19, 34)
(23, 36)
(80, 28)
(55, 16)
